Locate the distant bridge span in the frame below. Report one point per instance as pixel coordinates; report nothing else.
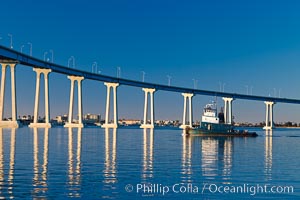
(12, 55)
(8, 55)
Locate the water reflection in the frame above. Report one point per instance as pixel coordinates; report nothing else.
(227, 159)
(74, 164)
(268, 154)
(12, 162)
(110, 171)
(40, 186)
(110, 164)
(210, 151)
(1, 160)
(217, 157)
(148, 141)
(186, 159)
(10, 181)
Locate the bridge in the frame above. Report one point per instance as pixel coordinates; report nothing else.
(10, 58)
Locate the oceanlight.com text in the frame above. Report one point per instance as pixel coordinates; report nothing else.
(208, 188)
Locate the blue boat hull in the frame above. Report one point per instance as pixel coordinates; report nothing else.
(210, 129)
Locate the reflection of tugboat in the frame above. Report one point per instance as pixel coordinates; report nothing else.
(213, 125)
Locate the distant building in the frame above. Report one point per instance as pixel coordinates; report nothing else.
(130, 122)
(92, 119)
(173, 123)
(26, 119)
(62, 119)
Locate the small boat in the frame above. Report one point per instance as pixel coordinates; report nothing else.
(213, 125)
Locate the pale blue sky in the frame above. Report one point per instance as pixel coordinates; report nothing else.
(239, 43)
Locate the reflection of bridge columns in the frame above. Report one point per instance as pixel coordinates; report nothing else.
(187, 96)
(110, 164)
(228, 110)
(228, 151)
(10, 175)
(70, 117)
(1, 156)
(268, 154)
(74, 163)
(151, 92)
(186, 160)
(210, 153)
(37, 99)
(269, 115)
(11, 184)
(115, 122)
(148, 142)
(40, 179)
(13, 122)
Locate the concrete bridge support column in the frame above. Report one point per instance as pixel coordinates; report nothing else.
(188, 96)
(269, 115)
(115, 122)
(151, 92)
(70, 117)
(228, 110)
(13, 123)
(37, 99)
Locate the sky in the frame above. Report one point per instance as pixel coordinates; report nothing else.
(238, 44)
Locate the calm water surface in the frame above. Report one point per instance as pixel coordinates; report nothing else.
(94, 163)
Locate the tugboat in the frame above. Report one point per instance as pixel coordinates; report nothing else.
(214, 125)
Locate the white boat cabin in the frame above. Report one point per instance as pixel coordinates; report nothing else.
(210, 114)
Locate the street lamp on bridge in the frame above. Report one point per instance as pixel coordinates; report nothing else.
(73, 61)
(279, 93)
(11, 40)
(22, 48)
(143, 76)
(30, 51)
(274, 92)
(195, 83)
(45, 54)
(169, 80)
(52, 55)
(118, 72)
(94, 70)
(222, 87)
(247, 89)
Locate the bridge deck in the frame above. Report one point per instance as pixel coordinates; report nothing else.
(10, 55)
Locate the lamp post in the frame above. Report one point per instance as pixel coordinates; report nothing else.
(247, 89)
(222, 86)
(69, 60)
(30, 44)
(52, 55)
(73, 61)
(94, 70)
(169, 80)
(11, 40)
(118, 72)
(45, 53)
(143, 76)
(22, 48)
(195, 83)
